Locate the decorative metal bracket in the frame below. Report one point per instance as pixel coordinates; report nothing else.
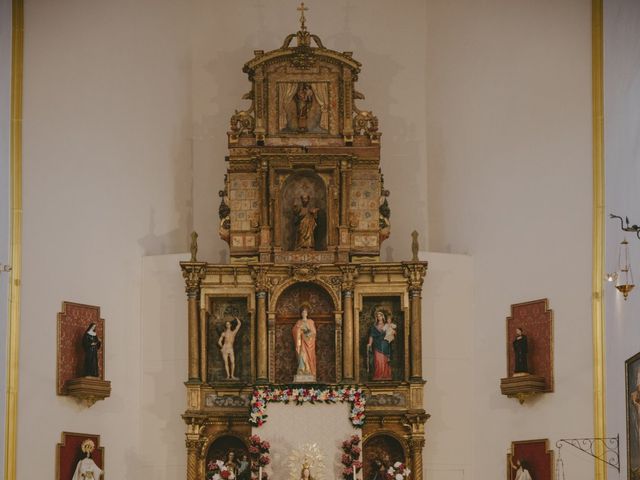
(611, 445)
(628, 228)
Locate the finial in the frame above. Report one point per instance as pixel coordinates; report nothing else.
(414, 245)
(302, 9)
(194, 246)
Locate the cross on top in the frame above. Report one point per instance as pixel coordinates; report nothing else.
(302, 9)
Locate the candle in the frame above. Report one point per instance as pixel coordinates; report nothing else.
(260, 473)
(354, 473)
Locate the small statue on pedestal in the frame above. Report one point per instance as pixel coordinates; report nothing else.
(91, 344)
(87, 468)
(520, 350)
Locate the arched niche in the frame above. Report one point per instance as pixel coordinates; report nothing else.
(304, 182)
(220, 447)
(287, 313)
(381, 450)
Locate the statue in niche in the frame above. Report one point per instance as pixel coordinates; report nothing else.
(230, 462)
(306, 221)
(304, 101)
(521, 470)
(91, 344)
(520, 349)
(225, 342)
(87, 468)
(305, 473)
(304, 338)
(381, 336)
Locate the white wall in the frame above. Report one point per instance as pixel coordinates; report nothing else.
(448, 364)
(509, 161)
(5, 204)
(126, 109)
(107, 179)
(622, 157)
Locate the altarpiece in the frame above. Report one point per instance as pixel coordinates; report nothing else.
(305, 304)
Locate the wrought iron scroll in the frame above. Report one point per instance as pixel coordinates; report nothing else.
(626, 228)
(611, 447)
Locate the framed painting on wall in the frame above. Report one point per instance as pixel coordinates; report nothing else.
(632, 395)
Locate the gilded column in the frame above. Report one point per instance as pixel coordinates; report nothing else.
(194, 446)
(259, 274)
(416, 445)
(414, 273)
(349, 272)
(193, 273)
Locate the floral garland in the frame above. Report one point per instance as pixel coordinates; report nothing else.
(301, 395)
(350, 457)
(259, 454)
(398, 471)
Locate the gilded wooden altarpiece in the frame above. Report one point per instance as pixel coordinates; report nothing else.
(302, 150)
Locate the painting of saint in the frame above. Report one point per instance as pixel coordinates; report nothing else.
(304, 338)
(633, 416)
(381, 338)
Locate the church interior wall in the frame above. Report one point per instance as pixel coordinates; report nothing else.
(509, 162)
(124, 122)
(622, 176)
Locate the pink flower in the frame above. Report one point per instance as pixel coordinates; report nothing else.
(265, 445)
(357, 464)
(346, 459)
(347, 472)
(264, 460)
(355, 451)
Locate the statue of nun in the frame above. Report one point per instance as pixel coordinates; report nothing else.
(91, 344)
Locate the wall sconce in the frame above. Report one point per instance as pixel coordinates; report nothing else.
(623, 277)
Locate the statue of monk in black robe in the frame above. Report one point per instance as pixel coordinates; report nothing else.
(91, 344)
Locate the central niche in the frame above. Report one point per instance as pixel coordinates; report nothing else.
(304, 193)
(322, 311)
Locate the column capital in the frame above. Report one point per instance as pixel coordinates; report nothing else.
(414, 272)
(349, 274)
(259, 274)
(193, 274)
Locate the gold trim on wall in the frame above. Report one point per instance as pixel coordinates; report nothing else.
(599, 420)
(13, 327)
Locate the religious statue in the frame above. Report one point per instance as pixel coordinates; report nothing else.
(306, 221)
(91, 344)
(244, 470)
(87, 468)
(381, 336)
(194, 246)
(305, 473)
(304, 100)
(304, 339)
(231, 463)
(520, 350)
(225, 342)
(522, 473)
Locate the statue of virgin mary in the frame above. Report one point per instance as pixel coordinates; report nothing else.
(87, 468)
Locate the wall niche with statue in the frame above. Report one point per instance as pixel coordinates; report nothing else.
(305, 344)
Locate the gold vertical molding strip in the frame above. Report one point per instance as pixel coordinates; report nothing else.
(599, 420)
(13, 327)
